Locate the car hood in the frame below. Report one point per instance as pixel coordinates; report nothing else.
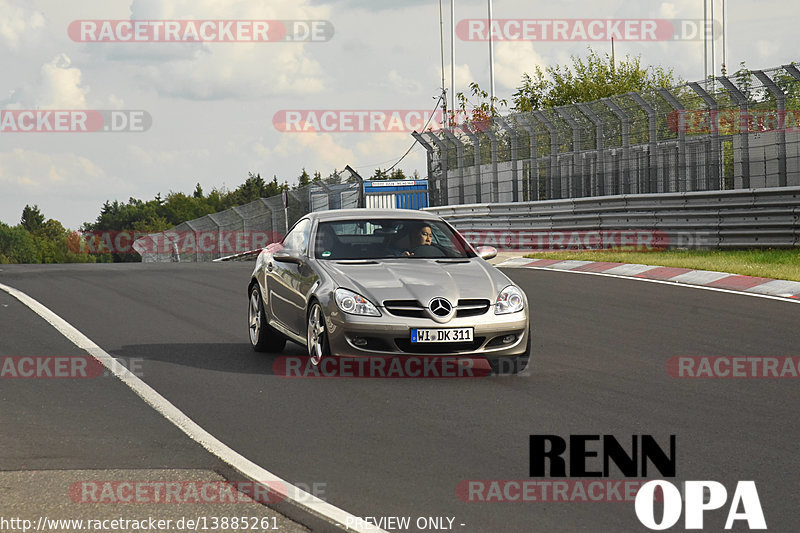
(418, 279)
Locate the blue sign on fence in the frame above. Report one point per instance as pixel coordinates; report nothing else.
(396, 194)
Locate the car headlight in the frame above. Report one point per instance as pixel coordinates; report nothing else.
(354, 304)
(510, 300)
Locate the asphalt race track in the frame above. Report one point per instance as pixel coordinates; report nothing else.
(400, 447)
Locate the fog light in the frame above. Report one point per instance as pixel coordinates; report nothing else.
(508, 339)
(359, 341)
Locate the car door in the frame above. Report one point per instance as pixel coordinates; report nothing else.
(288, 272)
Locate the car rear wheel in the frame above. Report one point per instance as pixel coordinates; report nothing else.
(263, 337)
(512, 364)
(317, 334)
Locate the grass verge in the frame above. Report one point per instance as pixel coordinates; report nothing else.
(777, 264)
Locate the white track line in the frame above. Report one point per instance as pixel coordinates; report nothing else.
(666, 282)
(298, 497)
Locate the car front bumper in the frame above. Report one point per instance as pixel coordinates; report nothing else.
(389, 335)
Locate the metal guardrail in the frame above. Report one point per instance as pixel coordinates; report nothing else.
(746, 218)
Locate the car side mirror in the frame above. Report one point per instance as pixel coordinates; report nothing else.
(487, 252)
(284, 257)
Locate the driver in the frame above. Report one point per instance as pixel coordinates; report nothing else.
(419, 236)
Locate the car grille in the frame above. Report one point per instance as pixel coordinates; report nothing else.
(409, 308)
(407, 346)
(414, 309)
(473, 307)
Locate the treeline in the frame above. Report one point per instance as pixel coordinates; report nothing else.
(160, 213)
(36, 240)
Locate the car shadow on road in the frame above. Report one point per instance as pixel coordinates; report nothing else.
(223, 357)
(293, 362)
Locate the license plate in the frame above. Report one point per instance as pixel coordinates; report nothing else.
(442, 335)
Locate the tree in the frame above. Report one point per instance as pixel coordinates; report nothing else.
(480, 111)
(303, 179)
(17, 245)
(395, 174)
(588, 79)
(32, 219)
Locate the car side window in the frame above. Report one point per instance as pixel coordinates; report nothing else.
(297, 239)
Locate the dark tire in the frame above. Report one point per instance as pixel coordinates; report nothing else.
(317, 334)
(512, 364)
(263, 337)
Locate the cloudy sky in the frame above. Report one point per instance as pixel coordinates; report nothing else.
(212, 104)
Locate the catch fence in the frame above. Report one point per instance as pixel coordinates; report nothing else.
(240, 229)
(724, 133)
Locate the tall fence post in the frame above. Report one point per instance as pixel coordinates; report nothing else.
(652, 167)
(780, 103)
(554, 179)
(744, 129)
(680, 110)
(477, 160)
(598, 187)
(625, 186)
(576, 176)
(495, 178)
(428, 148)
(716, 143)
(533, 175)
(460, 161)
(441, 184)
(512, 133)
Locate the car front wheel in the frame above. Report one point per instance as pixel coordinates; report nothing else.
(263, 337)
(317, 334)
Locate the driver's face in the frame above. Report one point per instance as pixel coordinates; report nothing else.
(425, 236)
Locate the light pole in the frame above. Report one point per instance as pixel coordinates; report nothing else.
(491, 58)
(453, 58)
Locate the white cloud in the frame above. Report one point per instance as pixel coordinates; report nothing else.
(59, 86)
(767, 48)
(315, 150)
(209, 71)
(512, 59)
(401, 84)
(464, 77)
(18, 23)
(37, 172)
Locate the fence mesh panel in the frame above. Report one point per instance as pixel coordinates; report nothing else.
(736, 132)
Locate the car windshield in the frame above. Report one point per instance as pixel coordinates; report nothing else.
(382, 239)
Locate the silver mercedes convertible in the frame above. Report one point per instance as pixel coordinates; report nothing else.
(364, 282)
